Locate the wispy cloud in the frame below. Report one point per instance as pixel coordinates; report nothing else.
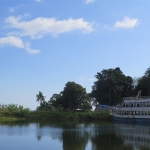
(126, 23)
(38, 27)
(30, 50)
(13, 9)
(91, 79)
(81, 78)
(38, 0)
(89, 1)
(87, 79)
(17, 42)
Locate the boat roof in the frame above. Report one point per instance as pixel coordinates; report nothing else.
(106, 106)
(137, 98)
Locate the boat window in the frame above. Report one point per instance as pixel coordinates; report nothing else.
(149, 112)
(142, 112)
(131, 105)
(137, 105)
(133, 112)
(136, 112)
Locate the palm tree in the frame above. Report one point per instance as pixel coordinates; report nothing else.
(40, 97)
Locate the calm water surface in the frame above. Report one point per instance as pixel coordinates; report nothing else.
(74, 136)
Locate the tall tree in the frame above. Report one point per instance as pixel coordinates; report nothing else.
(144, 83)
(73, 97)
(40, 98)
(128, 86)
(108, 89)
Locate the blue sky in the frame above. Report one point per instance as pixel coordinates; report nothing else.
(44, 44)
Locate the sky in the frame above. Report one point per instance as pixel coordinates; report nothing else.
(44, 44)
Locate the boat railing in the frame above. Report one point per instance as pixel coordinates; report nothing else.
(136, 98)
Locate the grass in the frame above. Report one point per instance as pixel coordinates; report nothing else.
(71, 116)
(6, 115)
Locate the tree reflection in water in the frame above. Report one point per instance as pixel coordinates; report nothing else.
(75, 136)
(108, 141)
(74, 140)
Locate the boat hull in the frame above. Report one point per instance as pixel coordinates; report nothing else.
(131, 120)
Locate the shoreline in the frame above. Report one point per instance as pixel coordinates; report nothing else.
(57, 115)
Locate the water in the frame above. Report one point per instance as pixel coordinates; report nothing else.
(74, 136)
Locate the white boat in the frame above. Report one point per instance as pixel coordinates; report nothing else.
(133, 109)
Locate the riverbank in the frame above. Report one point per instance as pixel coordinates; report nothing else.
(56, 115)
(70, 116)
(6, 115)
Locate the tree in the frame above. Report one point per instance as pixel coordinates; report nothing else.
(73, 97)
(40, 97)
(144, 83)
(128, 86)
(108, 89)
(56, 100)
(44, 105)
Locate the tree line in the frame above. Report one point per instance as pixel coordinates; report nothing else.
(109, 88)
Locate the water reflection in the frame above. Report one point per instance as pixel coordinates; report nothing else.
(75, 136)
(134, 136)
(73, 140)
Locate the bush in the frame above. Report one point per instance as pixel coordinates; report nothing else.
(18, 110)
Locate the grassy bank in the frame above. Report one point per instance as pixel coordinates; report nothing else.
(6, 115)
(70, 116)
(55, 115)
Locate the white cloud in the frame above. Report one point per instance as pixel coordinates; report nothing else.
(38, 27)
(31, 51)
(126, 23)
(11, 9)
(89, 1)
(12, 41)
(17, 42)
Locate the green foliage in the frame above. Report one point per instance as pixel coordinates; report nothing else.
(110, 86)
(56, 100)
(69, 115)
(12, 109)
(44, 105)
(144, 83)
(73, 97)
(40, 97)
(25, 112)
